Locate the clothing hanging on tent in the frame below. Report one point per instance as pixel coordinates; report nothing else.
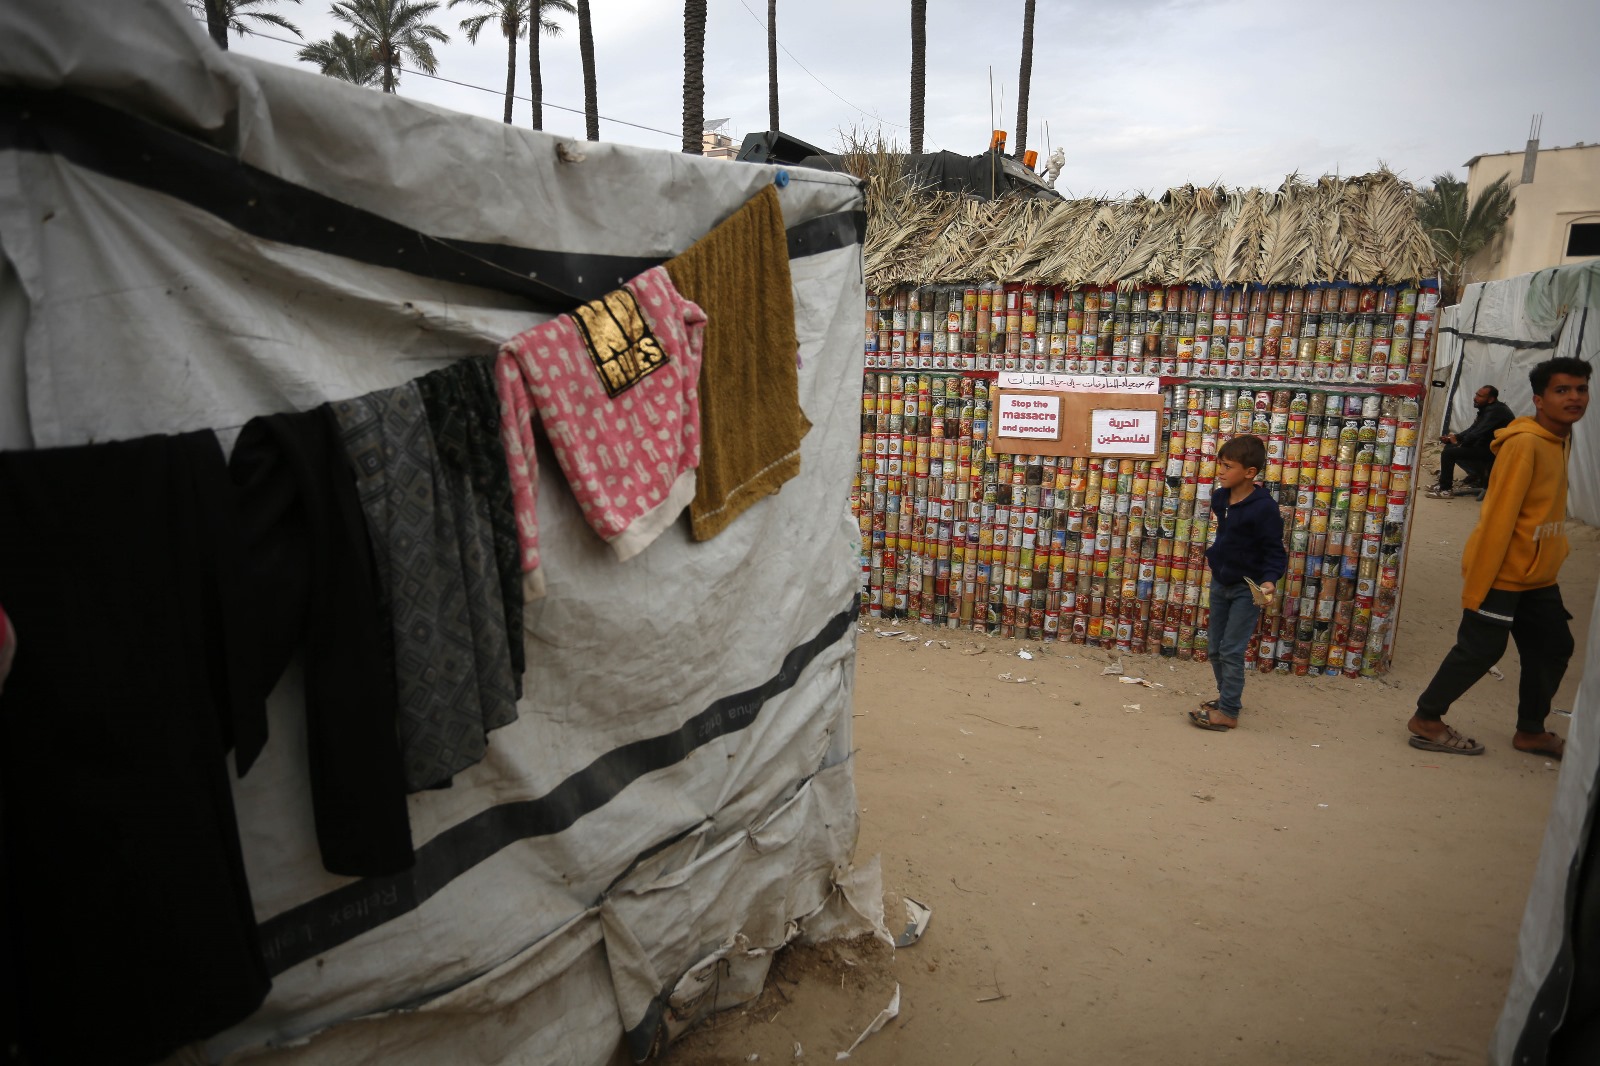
(452, 666)
(132, 916)
(312, 584)
(464, 413)
(750, 418)
(615, 385)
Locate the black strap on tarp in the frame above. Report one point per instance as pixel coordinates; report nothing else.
(322, 924)
(155, 157)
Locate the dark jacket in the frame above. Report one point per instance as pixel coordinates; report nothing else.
(1490, 420)
(1249, 539)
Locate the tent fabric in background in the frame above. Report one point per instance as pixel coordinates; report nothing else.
(615, 385)
(452, 666)
(750, 418)
(1496, 334)
(132, 916)
(1556, 293)
(464, 413)
(311, 583)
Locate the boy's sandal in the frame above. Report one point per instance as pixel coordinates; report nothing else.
(1441, 494)
(1210, 716)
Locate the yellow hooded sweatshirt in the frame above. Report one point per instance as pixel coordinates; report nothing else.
(1520, 541)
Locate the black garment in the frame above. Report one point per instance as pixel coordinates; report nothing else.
(1491, 419)
(126, 889)
(440, 584)
(1474, 460)
(1249, 539)
(464, 417)
(1544, 644)
(311, 581)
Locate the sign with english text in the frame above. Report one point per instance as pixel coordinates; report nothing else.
(1030, 417)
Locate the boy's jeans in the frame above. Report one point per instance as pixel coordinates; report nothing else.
(1233, 623)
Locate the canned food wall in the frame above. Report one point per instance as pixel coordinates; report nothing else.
(1112, 552)
(1230, 333)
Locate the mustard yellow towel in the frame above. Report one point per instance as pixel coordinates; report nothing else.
(750, 417)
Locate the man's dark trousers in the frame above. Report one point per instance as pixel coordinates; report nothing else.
(1475, 459)
(1544, 644)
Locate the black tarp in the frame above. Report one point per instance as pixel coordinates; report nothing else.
(986, 176)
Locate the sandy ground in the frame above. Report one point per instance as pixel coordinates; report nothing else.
(1111, 885)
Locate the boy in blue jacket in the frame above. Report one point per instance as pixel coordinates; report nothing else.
(1249, 544)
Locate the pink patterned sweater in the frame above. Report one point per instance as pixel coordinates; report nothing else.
(615, 385)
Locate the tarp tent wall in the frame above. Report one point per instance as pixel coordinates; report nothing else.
(190, 238)
(1552, 1010)
(1551, 1015)
(1496, 334)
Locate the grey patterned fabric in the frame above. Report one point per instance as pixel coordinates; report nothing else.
(464, 414)
(441, 587)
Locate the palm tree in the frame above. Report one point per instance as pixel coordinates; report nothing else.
(223, 15)
(772, 64)
(694, 76)
(591, 102)
(550, 28)
(511, 15)
(354, 60)
(1024, 77)
(1460, 229)
(919, 71)
(397, 29)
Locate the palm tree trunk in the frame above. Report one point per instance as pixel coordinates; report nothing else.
(591, 101)
(511, 67)
(1024, 77)
(217, 23)
(535, 75)
(388, 64)
(694, 75)
(919, 73)
(772, 64)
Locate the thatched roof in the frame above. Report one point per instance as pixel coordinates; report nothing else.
(1362, 229)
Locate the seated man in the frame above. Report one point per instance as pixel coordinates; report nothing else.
(1469, 449)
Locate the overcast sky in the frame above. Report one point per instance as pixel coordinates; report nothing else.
(1142, 94)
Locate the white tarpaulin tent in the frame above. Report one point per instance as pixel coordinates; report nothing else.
(1552, 1010)
(189, 239)
(1500, 329)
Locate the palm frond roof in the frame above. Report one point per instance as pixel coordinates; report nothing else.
(1360, 229)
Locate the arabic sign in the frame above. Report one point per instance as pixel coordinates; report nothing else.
(1030, 417)
(1135, 384)
(1124, 432)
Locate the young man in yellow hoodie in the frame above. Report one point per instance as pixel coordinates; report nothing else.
(1509, 571)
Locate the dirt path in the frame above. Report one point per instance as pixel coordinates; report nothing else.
(1110, 885)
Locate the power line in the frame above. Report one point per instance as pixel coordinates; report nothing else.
(819, 81)
(483, 88)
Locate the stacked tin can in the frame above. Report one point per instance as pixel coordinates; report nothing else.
(1334, 333)
(1111, 552)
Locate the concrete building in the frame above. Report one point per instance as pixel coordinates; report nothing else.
(715, 143)
(1557, 214)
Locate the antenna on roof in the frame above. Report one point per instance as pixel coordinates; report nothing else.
(715, 124)
(991, 126)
